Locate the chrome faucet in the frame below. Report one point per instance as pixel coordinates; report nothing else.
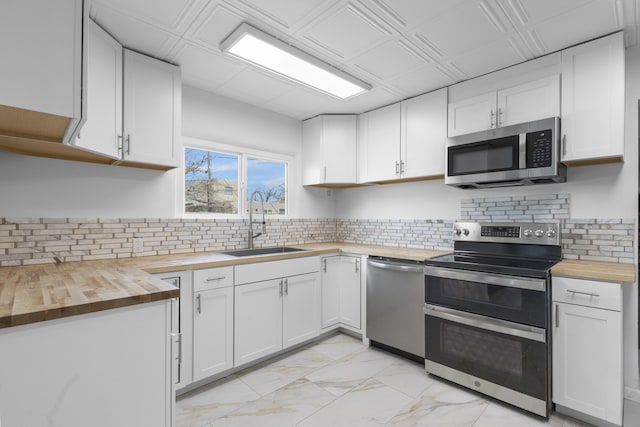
(252, 236)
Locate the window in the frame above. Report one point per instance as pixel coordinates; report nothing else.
(222, 183)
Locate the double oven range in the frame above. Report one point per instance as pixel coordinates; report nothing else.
(487, 311)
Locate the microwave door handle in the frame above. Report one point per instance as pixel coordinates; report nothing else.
(522, 146)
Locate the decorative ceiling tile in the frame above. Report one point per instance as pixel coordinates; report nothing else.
(490, 57)
(256, 86)
(389, 59)
(464, 28)
(421, 80)
(301, 103)
(135, 34)
(406, 14)
(165, 14)
(589, 21)
(375, 98)
(345, 32)
(286, 14)
(205, 65)
(213, 25)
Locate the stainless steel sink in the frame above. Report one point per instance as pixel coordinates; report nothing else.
(262, 251)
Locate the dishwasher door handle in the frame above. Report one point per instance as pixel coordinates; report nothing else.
(396, 267)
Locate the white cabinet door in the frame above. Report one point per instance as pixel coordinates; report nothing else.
(587, 361)
(103, 125)
(593, 79)
(341, 298)
(380, 142)
(300, 309)
(152, 108)
(350, 297)
(339, 149)
(472, 114)
(41, 48)
(329, 150)
(257, 320)
(424, 134)
(331, 274)
(212, 332)
(539, 99)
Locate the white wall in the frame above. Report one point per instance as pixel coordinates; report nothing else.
(38, 187)
(222, 120)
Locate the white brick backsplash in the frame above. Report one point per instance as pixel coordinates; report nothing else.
(47, 240)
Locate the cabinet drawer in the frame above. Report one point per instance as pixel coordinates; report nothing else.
(212, 278)
(589, 293)
(249, 273)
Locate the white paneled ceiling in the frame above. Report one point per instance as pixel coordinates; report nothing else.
(403, 48)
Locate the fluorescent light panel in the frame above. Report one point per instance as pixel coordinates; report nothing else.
(263, 50)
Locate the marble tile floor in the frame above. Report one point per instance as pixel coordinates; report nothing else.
(341, 382)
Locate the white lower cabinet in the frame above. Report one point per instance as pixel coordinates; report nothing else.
(212, 321)
(341, 291)
(275, 314)
(103, 369)
(212, 332)
(587, 348)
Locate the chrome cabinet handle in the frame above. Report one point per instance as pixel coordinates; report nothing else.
(286, 286)
(397, 168)
(401, 167)
(557, 316)
(325, 173)
(357, 265)
(120, 143)
(128, 144)
(491, 114)
(589, 294)
(213, 279)
(564, 145)
(199, 303)
(280, 287)
(498, 117)
(324, 264)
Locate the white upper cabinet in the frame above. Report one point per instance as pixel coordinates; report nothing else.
(530, 101)
(42, 60)
(404, 140)
(102, 129)
(329, 150)
(593, 79)
(379, 140)
(152, 111)
(538, 99)
(424, 134)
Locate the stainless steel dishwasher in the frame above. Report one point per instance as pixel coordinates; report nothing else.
(395, 297)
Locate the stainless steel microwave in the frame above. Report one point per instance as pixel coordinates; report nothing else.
(522, 154)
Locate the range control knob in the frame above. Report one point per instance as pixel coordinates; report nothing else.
(539, 233)
(457, 231)
(551, 233)
(465, 231)
(527, 233)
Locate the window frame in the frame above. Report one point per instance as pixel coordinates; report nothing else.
(242, 153)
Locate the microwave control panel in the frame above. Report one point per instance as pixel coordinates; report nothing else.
(539, 148)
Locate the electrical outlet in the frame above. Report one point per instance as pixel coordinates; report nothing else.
(138, 245)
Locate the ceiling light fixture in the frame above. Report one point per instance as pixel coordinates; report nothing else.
(261, 49)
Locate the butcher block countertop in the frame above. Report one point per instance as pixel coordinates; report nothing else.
(30, 294)
(609, 271)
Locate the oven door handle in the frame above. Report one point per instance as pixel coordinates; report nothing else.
(487, 278)
(486, 323)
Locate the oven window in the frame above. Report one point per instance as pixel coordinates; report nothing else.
(507, 360)
(488, 156)
(473, 346)
(497, 296)
(502, 302)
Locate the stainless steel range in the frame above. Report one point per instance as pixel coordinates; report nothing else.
(487, 311)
